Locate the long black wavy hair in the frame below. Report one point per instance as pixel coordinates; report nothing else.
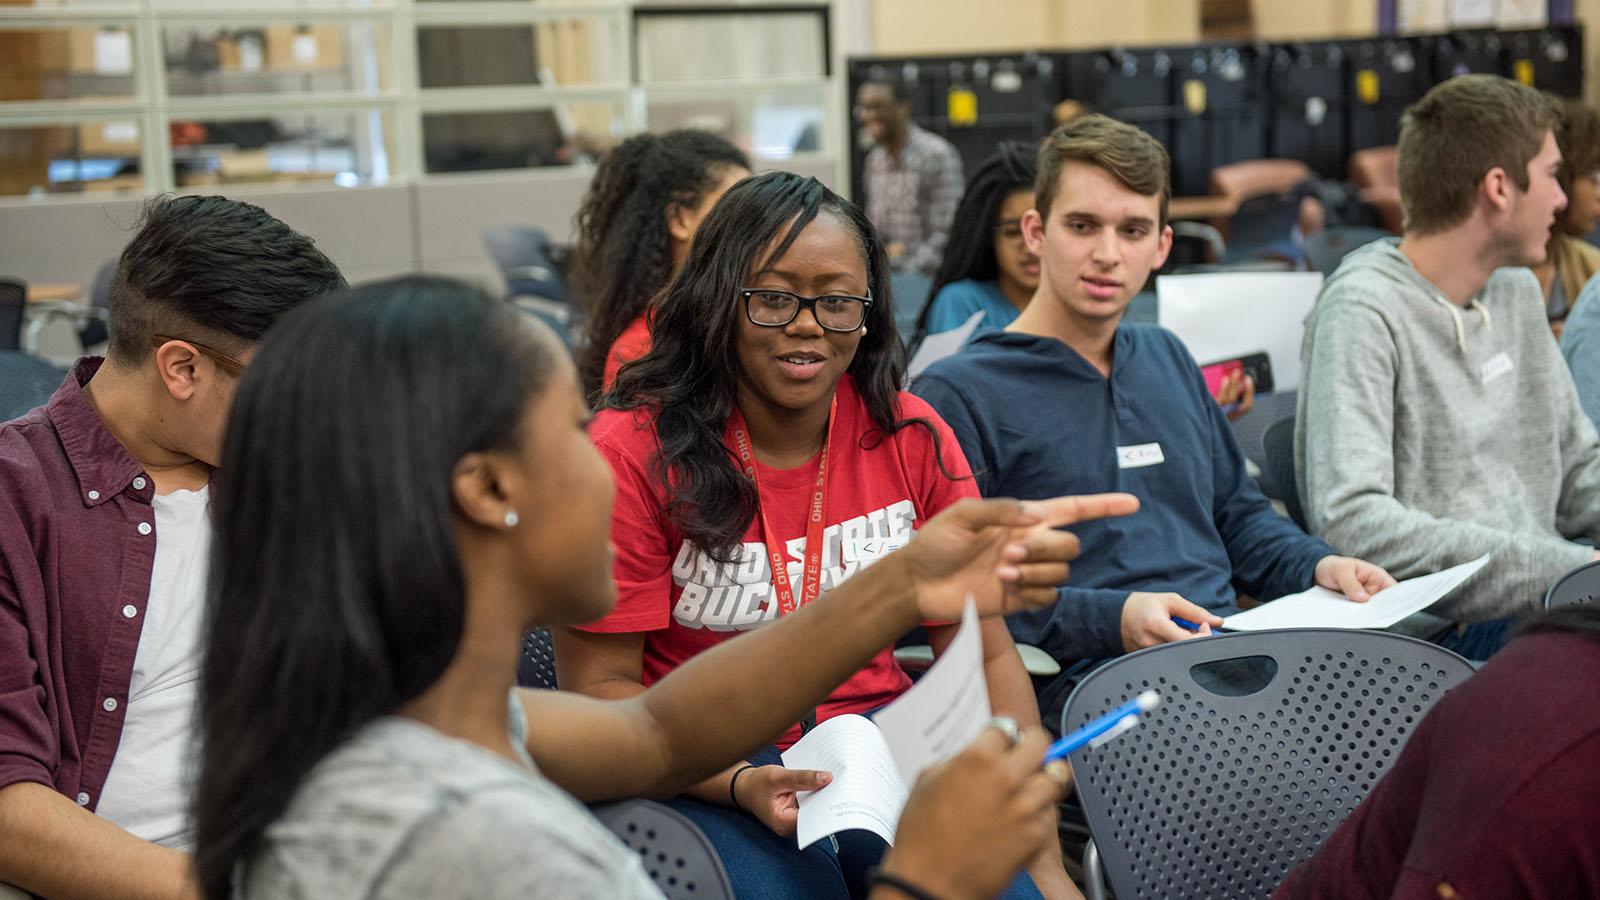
(336, 589)
(624, 252)
(969, 253)
(691, 375)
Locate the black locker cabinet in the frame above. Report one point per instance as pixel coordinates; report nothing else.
(1220, 113)
(1132, 85)
(1550, 59)
(990, 99)
(1310, 106)
(1383, 78)
(1463, 53)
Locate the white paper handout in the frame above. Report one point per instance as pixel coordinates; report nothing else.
(874, 761)
(1226, 315)
(937, 346)
(1322, 608)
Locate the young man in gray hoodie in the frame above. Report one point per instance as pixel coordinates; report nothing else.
(1437, 422)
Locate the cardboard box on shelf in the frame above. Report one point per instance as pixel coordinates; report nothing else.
(304, 47)
(100, 51)
(244, 165)
(109, 138)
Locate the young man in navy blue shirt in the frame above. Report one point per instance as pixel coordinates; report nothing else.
(1068, 400)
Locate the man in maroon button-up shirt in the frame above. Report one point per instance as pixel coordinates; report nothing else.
(80, 479)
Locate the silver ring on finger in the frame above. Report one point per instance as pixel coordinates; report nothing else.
(1008, 727)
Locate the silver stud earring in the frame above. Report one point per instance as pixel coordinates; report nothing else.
(511, 518)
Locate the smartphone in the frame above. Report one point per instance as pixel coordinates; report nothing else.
(1254, 365)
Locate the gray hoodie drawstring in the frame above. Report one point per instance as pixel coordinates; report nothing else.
(1455, 316)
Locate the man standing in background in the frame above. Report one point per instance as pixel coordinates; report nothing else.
(913, 183)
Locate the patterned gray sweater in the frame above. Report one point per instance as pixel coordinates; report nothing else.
(1429, 434)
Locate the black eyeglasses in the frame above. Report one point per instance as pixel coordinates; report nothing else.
(771, 308)
(1009, 230)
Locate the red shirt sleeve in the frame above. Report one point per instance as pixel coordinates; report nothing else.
(639, 530)
(632, 343)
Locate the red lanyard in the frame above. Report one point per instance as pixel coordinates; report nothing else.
(777, 558)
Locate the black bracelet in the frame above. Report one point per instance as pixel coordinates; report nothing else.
(876, 875)
(732, 797)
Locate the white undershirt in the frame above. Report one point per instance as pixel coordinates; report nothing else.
(148, 789)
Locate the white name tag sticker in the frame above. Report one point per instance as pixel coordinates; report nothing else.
(1497, 366)
(871, 549)
(1137, 456)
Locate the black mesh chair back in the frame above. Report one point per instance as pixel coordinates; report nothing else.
(1278, 448)
(528, 261)
(13, 303)
(676, 854)
(536, 667)
(26, 381)
(1581, 585)
(1262, 743)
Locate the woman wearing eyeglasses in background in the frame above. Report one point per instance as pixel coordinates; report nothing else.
(772, 390)
(986, 265)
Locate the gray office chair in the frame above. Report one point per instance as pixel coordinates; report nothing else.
(26, 381)
(1327, 248)
(536, 667)
(1581, 585)
(676, 854)
(1278, 470)
(1263, 742)
(1250, 430)
(13, 305)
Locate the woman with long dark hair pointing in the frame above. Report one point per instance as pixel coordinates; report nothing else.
(406, 487)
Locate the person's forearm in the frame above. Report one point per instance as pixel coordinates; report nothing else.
(808, 653)
(1010, 689)
(54, 848)
(713, 789)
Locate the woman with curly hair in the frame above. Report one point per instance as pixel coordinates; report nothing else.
(634, 227)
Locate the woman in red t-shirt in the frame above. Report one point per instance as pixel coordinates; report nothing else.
(647, 197)
(767, 422)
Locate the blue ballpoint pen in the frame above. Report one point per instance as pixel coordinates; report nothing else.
(1103, 729)
(1185, 624)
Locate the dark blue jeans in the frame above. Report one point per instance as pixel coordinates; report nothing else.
(763, 866)
(1480, 640)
